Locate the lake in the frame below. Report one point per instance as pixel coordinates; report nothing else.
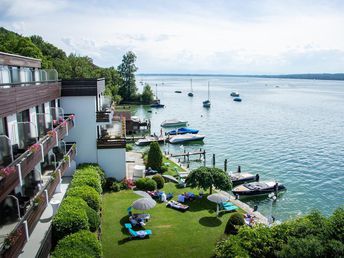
(288, 130)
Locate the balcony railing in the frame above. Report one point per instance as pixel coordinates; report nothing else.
(26, 84)
(110, 143)
(18, 237)
(104, 116)
(26, 162)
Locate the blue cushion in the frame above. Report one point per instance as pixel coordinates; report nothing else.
(148, 231)
(127, 225)
(132, 232)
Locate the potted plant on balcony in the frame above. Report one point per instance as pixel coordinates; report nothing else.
(34, 148)
(36, 202)
(7, 171)
(12, 238)
(51, 133)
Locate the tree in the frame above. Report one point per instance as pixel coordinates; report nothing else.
(154, 156)
(206, 178)
(147, 94)
(126, 69)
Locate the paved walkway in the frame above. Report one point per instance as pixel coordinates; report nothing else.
(132, 158)
(259, 217)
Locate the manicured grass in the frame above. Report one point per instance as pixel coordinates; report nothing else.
(175, 234)
(171, 171)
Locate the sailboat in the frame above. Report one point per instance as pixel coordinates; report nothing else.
(190, 94)
(156, 103)
(206, 103)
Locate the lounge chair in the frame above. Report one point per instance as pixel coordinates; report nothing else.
(177, 206)
(137, 234)
(228, 206)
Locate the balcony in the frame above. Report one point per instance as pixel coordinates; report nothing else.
(111, 143)
(26, 162)
(12, 245)
(16, 97)
(104, 117)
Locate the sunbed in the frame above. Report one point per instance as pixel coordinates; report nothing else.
(137, 234)
(177, 205)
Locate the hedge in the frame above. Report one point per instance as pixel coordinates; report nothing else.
(234, 221)
(97, 168)
(70, 218)
(160, 181)
(146, 184)
(82, 180)
(93, 219)
(81, 244)
(154, 159)
(88, 194)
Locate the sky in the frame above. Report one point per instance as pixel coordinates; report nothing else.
(191, 36)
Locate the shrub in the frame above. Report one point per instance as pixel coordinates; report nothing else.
(81, 244)
(146, 184)
(237, 219)
(93, 219)
(160, 181)
(70, 218)
(115, 187)
(163, 169)
(154, 156)
(88, 194)
(87, 180)
(128, 147)
(109, 183)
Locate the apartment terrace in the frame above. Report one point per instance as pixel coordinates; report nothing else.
(12, 244)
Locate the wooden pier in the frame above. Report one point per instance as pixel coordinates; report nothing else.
(186, 155)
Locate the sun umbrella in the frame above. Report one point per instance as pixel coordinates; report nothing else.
(143, 194)
(217, 198)
(144, 204)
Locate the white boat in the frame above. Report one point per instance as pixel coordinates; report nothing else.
(235, 94)
(173, 123)
(258, 188)
(186, 138)
(147, 140)
(206, 103)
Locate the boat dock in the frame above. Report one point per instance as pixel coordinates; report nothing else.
(186, 155)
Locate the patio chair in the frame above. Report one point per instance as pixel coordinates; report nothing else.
(137, 234)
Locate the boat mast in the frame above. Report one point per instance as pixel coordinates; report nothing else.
(191, 84)
(208, 92)
(156, 91)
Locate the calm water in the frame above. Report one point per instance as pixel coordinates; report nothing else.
(293, 133)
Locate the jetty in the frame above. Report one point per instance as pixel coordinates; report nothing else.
(186, 155)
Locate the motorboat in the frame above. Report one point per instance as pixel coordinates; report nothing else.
(186, 138)
(177, 91)
(258, 188)
(147, 140)
(173, 123)
(156, 104)
(235, 94)
(190, 94)
(206, 103)
(243, 177)
(183, 130)
(237, 99)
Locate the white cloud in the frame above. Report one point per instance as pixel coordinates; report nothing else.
(192, 36)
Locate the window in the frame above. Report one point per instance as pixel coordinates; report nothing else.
(53, 109)
(41, 120)
(5, 155)
(14, 74)
(24, 132)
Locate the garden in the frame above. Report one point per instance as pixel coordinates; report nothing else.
(192, 233)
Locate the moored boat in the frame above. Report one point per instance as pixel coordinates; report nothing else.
(173, 123)
(190, 94)
(183, 130)
(235, 94)
(243, 177)
(186, 138)
(206, 103)
(258, 188)
(177, 91)
(156, 104)
(237, 99)
(147, 140)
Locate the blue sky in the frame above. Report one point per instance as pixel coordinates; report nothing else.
(233, 37)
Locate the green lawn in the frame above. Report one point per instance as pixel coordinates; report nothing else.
(171, 171)
(175, 234)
